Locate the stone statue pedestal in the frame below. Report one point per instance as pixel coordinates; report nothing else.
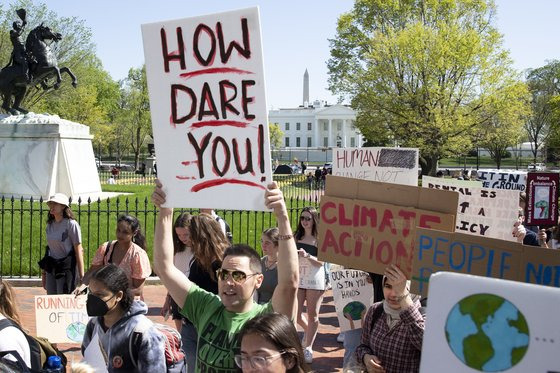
(42, 154)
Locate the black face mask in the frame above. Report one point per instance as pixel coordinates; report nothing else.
(96, 306)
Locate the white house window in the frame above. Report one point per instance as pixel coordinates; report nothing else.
(287, 141)
(298, 126)
(325, 126)
(309, 126)
(298, 142)
(287, 126)
(325, 141)
(309, 142)
(352, 142)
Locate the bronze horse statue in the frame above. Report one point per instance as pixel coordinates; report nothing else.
(42, 66)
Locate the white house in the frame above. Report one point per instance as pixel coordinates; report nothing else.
(317, 125)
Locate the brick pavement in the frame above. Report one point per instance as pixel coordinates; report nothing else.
(327, 355)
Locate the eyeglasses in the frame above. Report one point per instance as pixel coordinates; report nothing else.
(237, 276)
(306, 218)
(257, 362)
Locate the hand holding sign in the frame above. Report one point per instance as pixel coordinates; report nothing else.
(373, 364)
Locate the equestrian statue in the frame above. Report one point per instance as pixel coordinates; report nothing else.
(30, 65)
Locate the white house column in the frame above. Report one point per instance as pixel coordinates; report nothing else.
(316, 140)
(329, 135)
(344, 133)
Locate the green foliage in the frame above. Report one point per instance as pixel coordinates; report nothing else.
(275, 134)
(420, 73)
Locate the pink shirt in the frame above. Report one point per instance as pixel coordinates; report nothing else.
(135, 262)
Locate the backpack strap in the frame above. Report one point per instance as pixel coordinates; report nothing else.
(110, 259)
(19, 360)
(135, 340)
(34, 348)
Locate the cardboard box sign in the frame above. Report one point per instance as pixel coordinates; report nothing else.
(369, 225)
(463, 253)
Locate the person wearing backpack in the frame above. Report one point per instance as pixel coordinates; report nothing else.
(115, 316)
(11, 337)
(393, 329)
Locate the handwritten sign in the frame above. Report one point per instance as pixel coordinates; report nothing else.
(208, 107)
(61, 318)
(390, 165)
(503, 179)
(542, 199)
(481, 211)
(481, 256)
(369, 225)
(353, 295)
(311, 276)
(478, 324)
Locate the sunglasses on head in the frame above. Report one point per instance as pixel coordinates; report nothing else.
(236, 275)
(306, 218)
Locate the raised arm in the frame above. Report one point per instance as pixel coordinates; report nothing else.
(284, 296)
(173, 279)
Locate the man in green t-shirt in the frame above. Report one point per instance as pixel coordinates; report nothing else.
(218, 319)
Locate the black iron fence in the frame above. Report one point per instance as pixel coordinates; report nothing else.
(23, 223)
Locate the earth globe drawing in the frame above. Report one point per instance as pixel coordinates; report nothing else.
(354, 309)
(487, 332)
(75, 331)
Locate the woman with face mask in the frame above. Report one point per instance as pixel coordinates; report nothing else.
(393, 329)
(115, 316)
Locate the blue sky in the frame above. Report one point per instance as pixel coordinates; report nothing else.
(295, 35)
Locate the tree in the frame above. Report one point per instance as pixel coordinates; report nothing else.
(75, 49)
(544, 85)
(275, 134)
(135, 114)
(504, 127)
(421, 72)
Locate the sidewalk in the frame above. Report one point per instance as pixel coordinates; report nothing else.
(327, 355)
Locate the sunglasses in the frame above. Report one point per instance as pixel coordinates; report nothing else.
(237, 276)
(306, 218)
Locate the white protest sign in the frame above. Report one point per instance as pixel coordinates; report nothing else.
(353, 295)
(479, 324)
(208, 107)
(389, 165)
(61, 318)
(310, 275)
(481, 211)
(503, 179)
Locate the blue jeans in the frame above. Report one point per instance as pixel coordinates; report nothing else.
(189, 337)
(351, 342)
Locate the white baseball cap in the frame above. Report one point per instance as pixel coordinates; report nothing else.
(59, 198)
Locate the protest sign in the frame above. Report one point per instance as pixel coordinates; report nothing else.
(61, 318)
(311, 276)
(445, 183)
(503, 179)
(541, 207)
(456, 252)
(352, 294)
(481, 211)
(208, 108)
(389, 165)
(369, 225)
(478, 324)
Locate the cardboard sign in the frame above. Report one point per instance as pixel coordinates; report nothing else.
(389, 165)
(208, 106)
(503, 179)
(311, 276)
(445, 183)
(353, 295)
(481, 211)
(369, 225)
(541, 207)
(61, 318)
(463, 253)
(477, 324)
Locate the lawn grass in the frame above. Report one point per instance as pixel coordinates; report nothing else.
(22, 224)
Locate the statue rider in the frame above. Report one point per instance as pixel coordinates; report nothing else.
(19, 53)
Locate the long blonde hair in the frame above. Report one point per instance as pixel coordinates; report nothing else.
(8, 305)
